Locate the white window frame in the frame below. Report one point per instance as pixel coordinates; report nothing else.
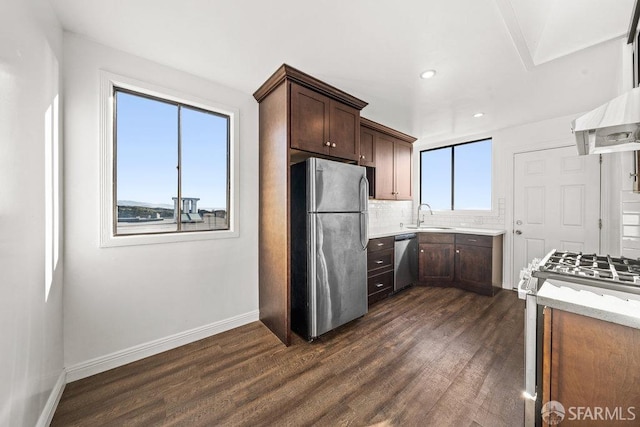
(109, 81)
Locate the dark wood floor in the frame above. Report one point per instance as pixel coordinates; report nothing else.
(427, 356)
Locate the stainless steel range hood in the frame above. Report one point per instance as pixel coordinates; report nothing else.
(614, 126)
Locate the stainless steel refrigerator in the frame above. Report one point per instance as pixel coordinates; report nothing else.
(329, 237)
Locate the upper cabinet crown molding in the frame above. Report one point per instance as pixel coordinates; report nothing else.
(387, 130)
(288, 72)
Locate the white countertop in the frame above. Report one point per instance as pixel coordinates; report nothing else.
(393, 232)
(616, 309)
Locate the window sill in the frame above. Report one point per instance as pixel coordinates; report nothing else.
(464, 213)
(109, 241)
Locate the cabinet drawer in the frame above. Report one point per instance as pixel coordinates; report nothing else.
(380, 244)
(380, 282)
(474, 240)
(436, 237)
(380, 259)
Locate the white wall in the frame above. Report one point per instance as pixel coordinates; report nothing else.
(551, 133)
(124, 303)
(506, 143)
(31, 350)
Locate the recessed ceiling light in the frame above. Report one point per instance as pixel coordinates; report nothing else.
(476, 115)
(428, 74)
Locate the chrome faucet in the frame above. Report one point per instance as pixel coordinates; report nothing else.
(418, 215)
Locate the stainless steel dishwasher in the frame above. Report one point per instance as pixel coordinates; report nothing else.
(406, 261)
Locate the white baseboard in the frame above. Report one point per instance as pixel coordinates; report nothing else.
(52, 402)
(119, 358)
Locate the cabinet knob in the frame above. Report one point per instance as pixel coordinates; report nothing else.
(362, 157)
(333, 145)
(422, 250)
(457, 251)
(328, 144)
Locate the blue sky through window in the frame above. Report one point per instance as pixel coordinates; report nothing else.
(471, 175)
(147, 153)
(436, 178)
(204, 158)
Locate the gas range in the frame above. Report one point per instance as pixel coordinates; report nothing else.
(597, 271)
(599, 286)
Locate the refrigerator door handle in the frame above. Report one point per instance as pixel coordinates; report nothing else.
(364, 215)
(364, 194)
(364, 229)
(312, 293)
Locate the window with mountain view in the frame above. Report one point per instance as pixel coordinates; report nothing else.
(171, 166)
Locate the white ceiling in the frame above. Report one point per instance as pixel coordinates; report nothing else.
(517, 61)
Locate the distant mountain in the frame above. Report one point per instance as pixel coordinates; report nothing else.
(144, 204)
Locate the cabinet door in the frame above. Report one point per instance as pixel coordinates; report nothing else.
(309, 120)
(435, 263)
(473, 268)
(384, 168)
(589, 362)
(402, 169)
(344, 131)
(367, 152)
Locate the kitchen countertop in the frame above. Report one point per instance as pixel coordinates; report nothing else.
(608, 308)
(459, 230)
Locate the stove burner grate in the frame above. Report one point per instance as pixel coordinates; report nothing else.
(619, 269)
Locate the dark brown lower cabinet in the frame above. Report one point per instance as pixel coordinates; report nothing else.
(380, 262)
(592, 368)
(471, 262)
(479, 263)
(435, 258)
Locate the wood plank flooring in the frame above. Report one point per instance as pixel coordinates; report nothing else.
(427, 357)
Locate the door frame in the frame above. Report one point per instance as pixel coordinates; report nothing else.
(510, 276)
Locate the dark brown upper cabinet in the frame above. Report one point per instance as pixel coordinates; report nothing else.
(391, 157)
(323, 126)
(367, 152)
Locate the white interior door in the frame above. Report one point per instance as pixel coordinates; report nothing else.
(556, 204)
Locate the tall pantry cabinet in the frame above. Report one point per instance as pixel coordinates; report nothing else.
(300, 117)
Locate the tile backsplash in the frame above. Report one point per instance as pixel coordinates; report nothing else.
(388, 215)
